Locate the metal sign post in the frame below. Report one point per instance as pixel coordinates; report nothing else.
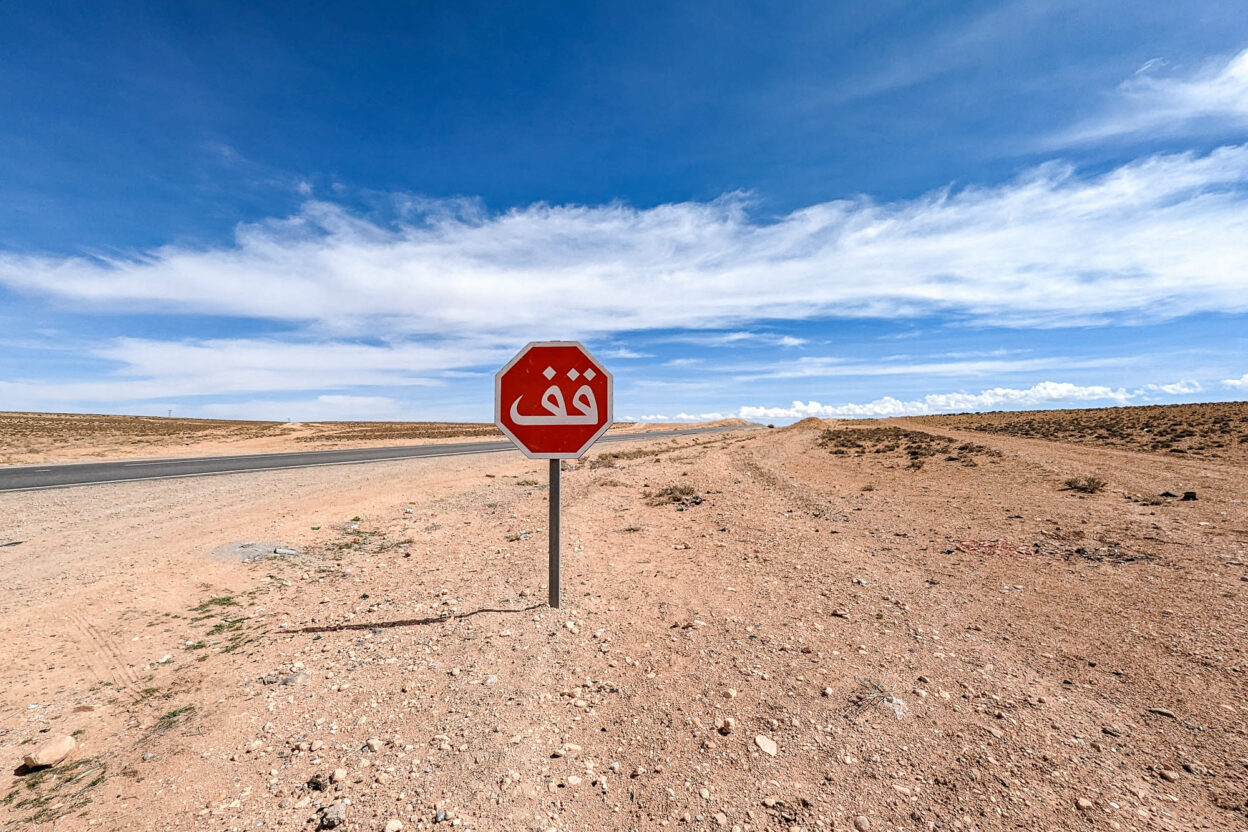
(555, 466)
(553, 400)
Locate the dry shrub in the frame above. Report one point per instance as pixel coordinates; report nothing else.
(685, 495)
(1086, 485)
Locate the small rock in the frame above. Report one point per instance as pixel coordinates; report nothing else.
(573, 780)
(339, 775)
(861, 823)
(1083, 804)
(165, 659)
(727, 725)
(1168, 775)
(318, 783)
(1162, 712)
(394, 825)
(721, 819)
(51, 752)
(333, 816)
(373, 744)
(766, 744)
(1188, 496)
(296, 678)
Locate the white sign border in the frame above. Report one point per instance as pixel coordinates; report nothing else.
(498, 400)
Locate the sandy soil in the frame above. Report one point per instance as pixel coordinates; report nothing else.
(963, 644)
(47, 438)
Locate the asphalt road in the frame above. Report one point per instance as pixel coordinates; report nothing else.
(32, 477)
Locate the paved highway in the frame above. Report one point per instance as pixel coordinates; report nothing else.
(32, 477)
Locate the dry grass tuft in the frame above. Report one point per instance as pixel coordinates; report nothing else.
(1086, 485)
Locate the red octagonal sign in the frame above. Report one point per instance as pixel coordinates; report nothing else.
(553, 399)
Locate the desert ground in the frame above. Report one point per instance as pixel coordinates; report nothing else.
(966, 623)
(43, 438)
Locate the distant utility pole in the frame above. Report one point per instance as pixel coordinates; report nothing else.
(171, 413)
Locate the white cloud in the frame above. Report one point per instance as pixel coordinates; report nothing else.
(1216, 94)
(1159, 238)
(830, 366)
(699, 417)
(1179, 388)
(623, 352)
(153, 370)
(1240, 383)
(1046, 392)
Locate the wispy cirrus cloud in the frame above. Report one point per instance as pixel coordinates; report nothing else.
(1159, 238)
(1213, 97)
(832, 367)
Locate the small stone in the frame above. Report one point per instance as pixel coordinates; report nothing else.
(861, 823)
(1168, 775)
(828, 691)
(766, 744)
(318, 783)
(1083, 804)
(297, 678)
(51, 752)
(394, 825)
(373, 744)
(165, 659)
(721, 819)
(335, 815)
(726, 725)
(1162, 712)
(339, 775)
(573, 780)
(730, 693)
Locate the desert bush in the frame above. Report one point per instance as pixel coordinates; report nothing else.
(1086, 485)
(685, 495)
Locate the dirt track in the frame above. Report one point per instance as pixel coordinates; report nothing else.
(1023, 647)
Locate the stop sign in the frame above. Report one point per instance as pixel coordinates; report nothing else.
(553, 399)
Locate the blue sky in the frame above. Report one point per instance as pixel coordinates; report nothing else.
(309, 211)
